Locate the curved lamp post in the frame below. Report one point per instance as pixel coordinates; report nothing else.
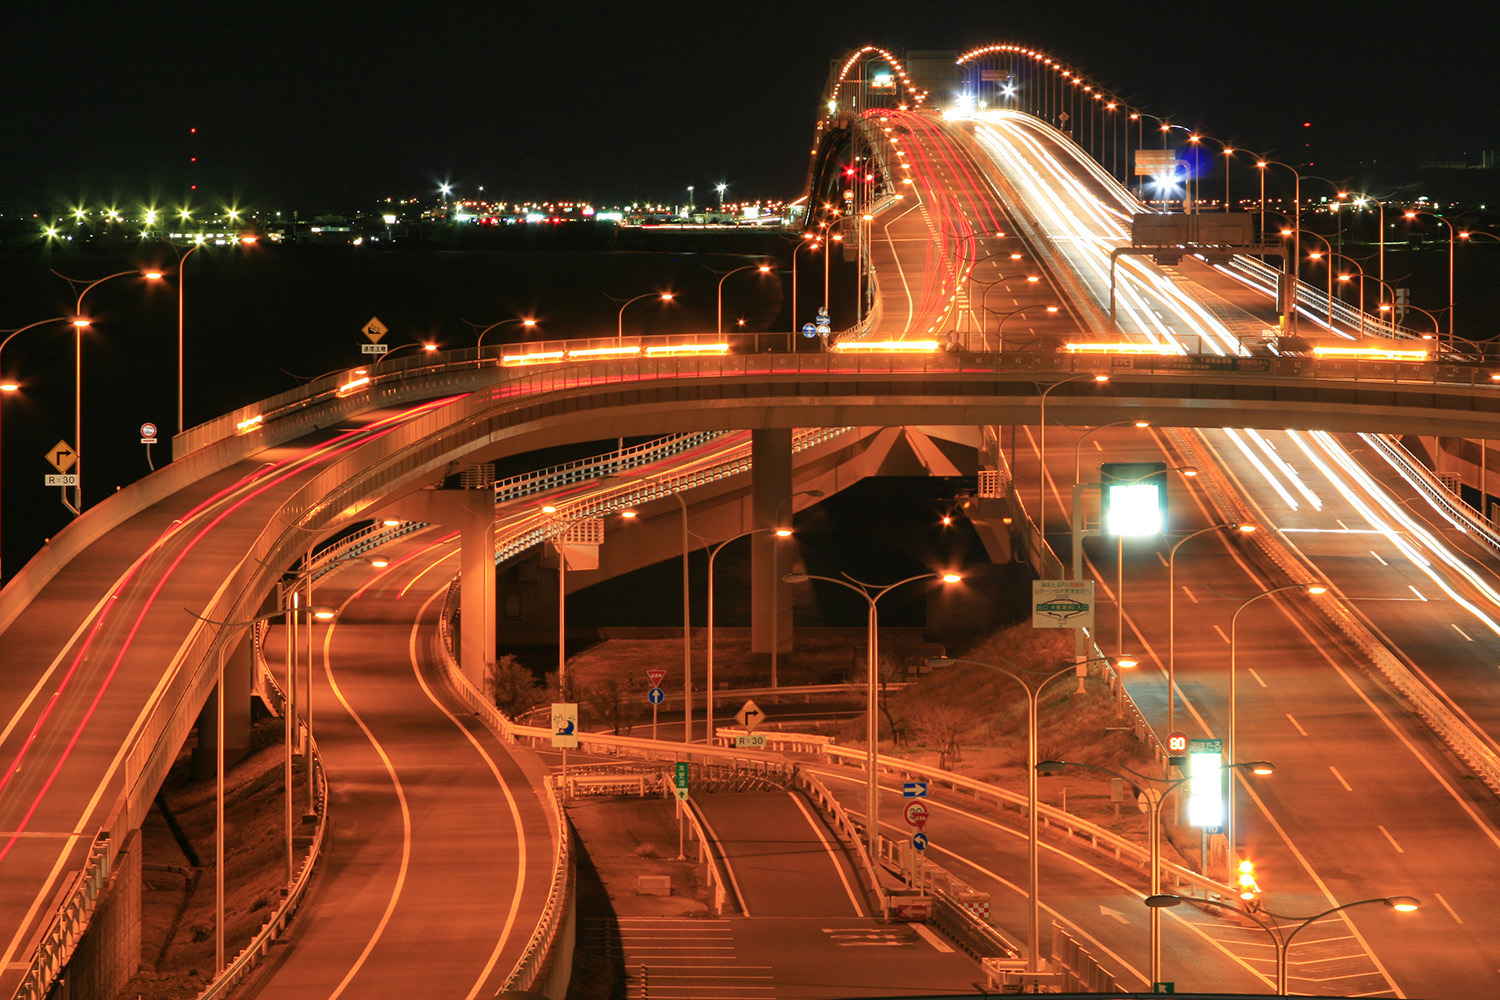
(872, 595)
(10, 387)
(1041, 450)
(1154, 801)
(762, 268)
(776, 574)
(1172, 612)
(713, 553)
(620, 330)
(1279, 936)
(528, 323)
(1412, 213)
(1032, 682)
(1233, 747)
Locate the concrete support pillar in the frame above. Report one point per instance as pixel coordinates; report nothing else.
(239, 675)
(472, 512)
(771, 483)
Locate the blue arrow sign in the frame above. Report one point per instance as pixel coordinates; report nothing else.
(914, 789)
(919, 841)
(808, 330)
(655, 696)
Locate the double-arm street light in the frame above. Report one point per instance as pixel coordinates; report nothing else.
(1172, 611)
(8, 386)
(322, 614)
(1032, 682)
(620, 330)
(1000, 326)
(1279, 936)
(1155, 797)
(872, 593)
(1227, 150)
(1231, 746)
(724, 276)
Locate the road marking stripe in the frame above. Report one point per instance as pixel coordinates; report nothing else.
(1257, 677)
(1467, 636)
(1390, 838)
(933, 939)
(1378, 559)
(1451, 911)
(1296, 724)
(1221, 633)
(859, 910)
(1340, 777)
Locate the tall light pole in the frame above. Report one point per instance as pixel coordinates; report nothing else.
(762, 268)
(1154, 799)
(872, 595)
(181, 302)
(79, 323)
(1281, 939)
(1412, 213)
(1119, 538)
(1172, 612)
(1041, 450)
(1232, 747)
(1000, 326)
(1032, 682)
(528, 323)
(1296, 229)
(687, 621)
(11, 335)
(713, 553)
(620, 335)
(776, 573)
(322, 614)
(808, 240)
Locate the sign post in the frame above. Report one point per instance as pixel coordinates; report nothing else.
(565, 734)
(62, 457)
(373, 331)
(655, 696)
(750, 716)
(148, 438)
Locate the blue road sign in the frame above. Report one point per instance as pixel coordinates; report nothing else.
(808, 330)
(919, 841)
(914, 789)
(655, 696)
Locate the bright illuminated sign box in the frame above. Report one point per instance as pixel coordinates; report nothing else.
(1135, 498)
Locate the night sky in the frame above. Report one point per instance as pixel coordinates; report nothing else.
(328, 105)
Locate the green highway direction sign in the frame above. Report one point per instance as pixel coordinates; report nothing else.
(682, 779)
(1062, 604)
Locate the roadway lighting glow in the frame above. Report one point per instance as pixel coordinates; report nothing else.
(323, 613)
(8, 387)
(549, 509)
(783, 532)
(1143, 423)
(1033, 278)
(80, 323)
(627, 514)
(1316, 589)
(1405, 904)
(1261, 767)
(153, 275)
(379, 561)
(951, 578)
(391, 522)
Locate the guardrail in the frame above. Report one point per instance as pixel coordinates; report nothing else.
(1073, 828)
(846, 828)
(1421, 477)
(56, 944)
(713, 865)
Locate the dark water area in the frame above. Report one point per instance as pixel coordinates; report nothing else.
(259, 320)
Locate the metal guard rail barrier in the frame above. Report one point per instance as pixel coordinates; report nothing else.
(595, 466)
(713, 864)
(844, 826)
(1470, 746)
(1077, 830)
(55, 946)
(1433, 489)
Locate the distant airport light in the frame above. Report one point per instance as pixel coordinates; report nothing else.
(1091, 348)
(1381, 353)
(886, 347)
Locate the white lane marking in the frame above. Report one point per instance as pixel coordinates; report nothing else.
(390, 769)
(1451, 912)
(1467, 636)
(1340, 777)
(1296, 724)
(515, 810)
(1257, 677)
(1189, 594)
(1162, 559)
(1378, 559)
(833, 857)
(1390, 838)
(933, 939)
(1221, 633)
(1414, 590)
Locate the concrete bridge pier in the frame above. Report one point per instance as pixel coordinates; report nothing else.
(472, 512)
(770, 557)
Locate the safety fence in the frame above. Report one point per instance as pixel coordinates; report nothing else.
(57, 943)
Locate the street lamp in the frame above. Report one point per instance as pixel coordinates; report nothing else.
(1232, 747)
(1041, 450)
(1032, 682)
(1154, 800)
(687, 636)
(9, 387)
(1000, 326)
(79, 322)
(1412, 213)
(528, 323)
(713, 553)
(1296, 227)
(1172, 612)
(620, 335)
(181, 293)
(1282, 941)
(809, 239)
(776, 573)
(1228, 151)
(762, 268)
(322, 614)
(430, 348)
(872, 594)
